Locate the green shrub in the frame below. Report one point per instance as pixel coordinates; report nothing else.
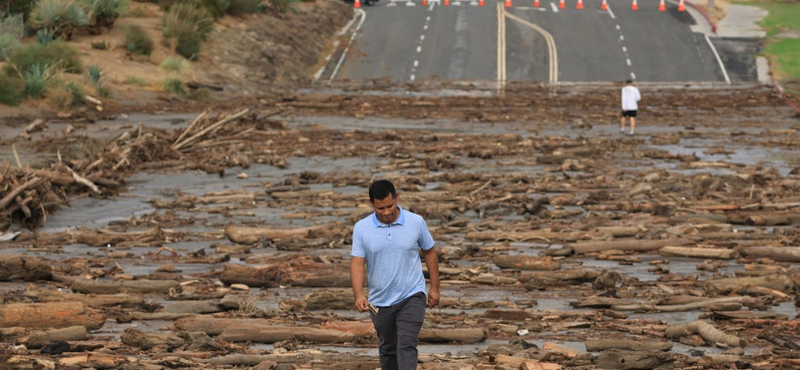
(22, 7)
(135, 12)
(214, 8)
(11, 90)
(96, 74)
(199, 94)
(173, 85)
(282, 6)
(175, 64)
(12, 25)
(44, 37)
(101, 45)
(77, 93)
(103, 14)
(55, 53)
(102, 91)
(37, 78)
(8, 45)
(137, 41)
(136, 81)
(60, 97)
(239, 7)
(186, 19)
(188, 46)
(61, 16)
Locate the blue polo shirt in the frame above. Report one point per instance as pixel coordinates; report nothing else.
(394, 270)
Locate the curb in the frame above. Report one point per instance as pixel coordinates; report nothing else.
(779, 89)
(704, 13)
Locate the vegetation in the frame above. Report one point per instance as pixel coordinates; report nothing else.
(60, 16)
(175, 64)
(65, 95)
(8, 45)
(37, 78)
(137, 41)
(190, 25)
(101, 45)
(214, 8)
(44, 37)
(96, 74)
(11, 90)
(103, 14)
(785, 52)
(239, 7)
(136, 81)
(23, 7)
(55, 53)
(173, 85)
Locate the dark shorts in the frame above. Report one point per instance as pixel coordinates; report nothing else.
(629, 113)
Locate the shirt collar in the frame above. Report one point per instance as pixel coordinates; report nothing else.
(401, 219)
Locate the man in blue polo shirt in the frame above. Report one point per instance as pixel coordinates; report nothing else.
(386, 244)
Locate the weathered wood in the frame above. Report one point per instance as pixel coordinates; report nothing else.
(250, 235)
(705, 330)
(330, 299)
(50, 315)
(781, 254)
(708, 253)
(139, 339)
(265, 333)
(617, 231)
(624, 360)
(39, 339)
(709, 302)
(94, 360)
(627, 245)
(298, 273)
(468, 336)
(104, 237)
(24, 268)
(192, 307)
(781, 283)
(628, 345)
(94, 301)
(129, 286)
(526, 262)
(519, 236)
(212, 325)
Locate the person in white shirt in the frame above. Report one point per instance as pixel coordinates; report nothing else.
(630, 95)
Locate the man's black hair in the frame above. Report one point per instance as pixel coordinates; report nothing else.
(381, 189)
(628, 82)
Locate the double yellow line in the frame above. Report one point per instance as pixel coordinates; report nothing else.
(501, 47)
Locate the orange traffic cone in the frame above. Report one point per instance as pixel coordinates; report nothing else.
(508, 3)
(481, 3)
(635, 6)
(681, 7)
(535, 3)
(424, 2)
(580, 5)
(561, 4)
(604, 6)
(357, 4)
(662, 7)
(446, 2)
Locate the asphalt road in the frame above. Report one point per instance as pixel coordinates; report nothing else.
(460, 42)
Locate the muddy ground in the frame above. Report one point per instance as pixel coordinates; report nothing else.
(139, 243)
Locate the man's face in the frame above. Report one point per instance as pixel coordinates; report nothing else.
(386, 209)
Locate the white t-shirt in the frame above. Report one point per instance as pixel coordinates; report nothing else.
(630, 95)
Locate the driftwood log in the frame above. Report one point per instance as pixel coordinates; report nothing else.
(705, 330)
(129, 286)
(192, 307)
(624, 360)
(627, 345)
(139, 339)
(50, 315)
(781, 254)
(708, 253)
(468, 336)
(297, 273)
(264, 333)
(781, 283)
(627, 245)
(250, 235)
(24, 268)
(39, 339)
(526, 263)
(94, 301)
(544, 235)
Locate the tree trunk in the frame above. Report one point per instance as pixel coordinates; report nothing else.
(526, 263)
(705, 330)
(50, 315)
(24, 268)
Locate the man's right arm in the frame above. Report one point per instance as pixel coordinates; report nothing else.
(357, 270)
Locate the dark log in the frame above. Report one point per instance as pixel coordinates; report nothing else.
(24, 268)
(330, 299)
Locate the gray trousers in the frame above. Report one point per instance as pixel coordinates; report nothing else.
(398, 330)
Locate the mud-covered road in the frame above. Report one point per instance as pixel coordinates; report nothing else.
(563, 243)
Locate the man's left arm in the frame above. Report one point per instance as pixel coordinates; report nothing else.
(432, 262)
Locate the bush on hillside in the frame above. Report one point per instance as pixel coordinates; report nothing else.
(239, 7)
(8, 45)
(215, 8)
(55, 53)
(23, 7)
(188, 46)
(37, 78)
(11, 89)
(103, 14)
(12, 24)
(186, 19)
(137, 41)
(61, 16)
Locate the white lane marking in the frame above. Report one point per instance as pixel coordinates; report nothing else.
(428, 19)
(530, 8)
(618, 27)
(425, 28)
(413, 77)
(555, 8)
(551, 45)
(633, 76)
(719, 60)
(416, 63)
(624, 50)
(611, 14)
(422, 38)
(352, 38)
(419, 49)
(628, 61)
(621, 38)
(391, 4)
(456, 3)
(411, 3)
(474, 3)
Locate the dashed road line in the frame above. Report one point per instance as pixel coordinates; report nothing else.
(555, 8)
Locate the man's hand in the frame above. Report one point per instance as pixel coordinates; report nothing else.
(433, 297)
(361, 304)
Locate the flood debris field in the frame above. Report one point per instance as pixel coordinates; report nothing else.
(221, 240)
